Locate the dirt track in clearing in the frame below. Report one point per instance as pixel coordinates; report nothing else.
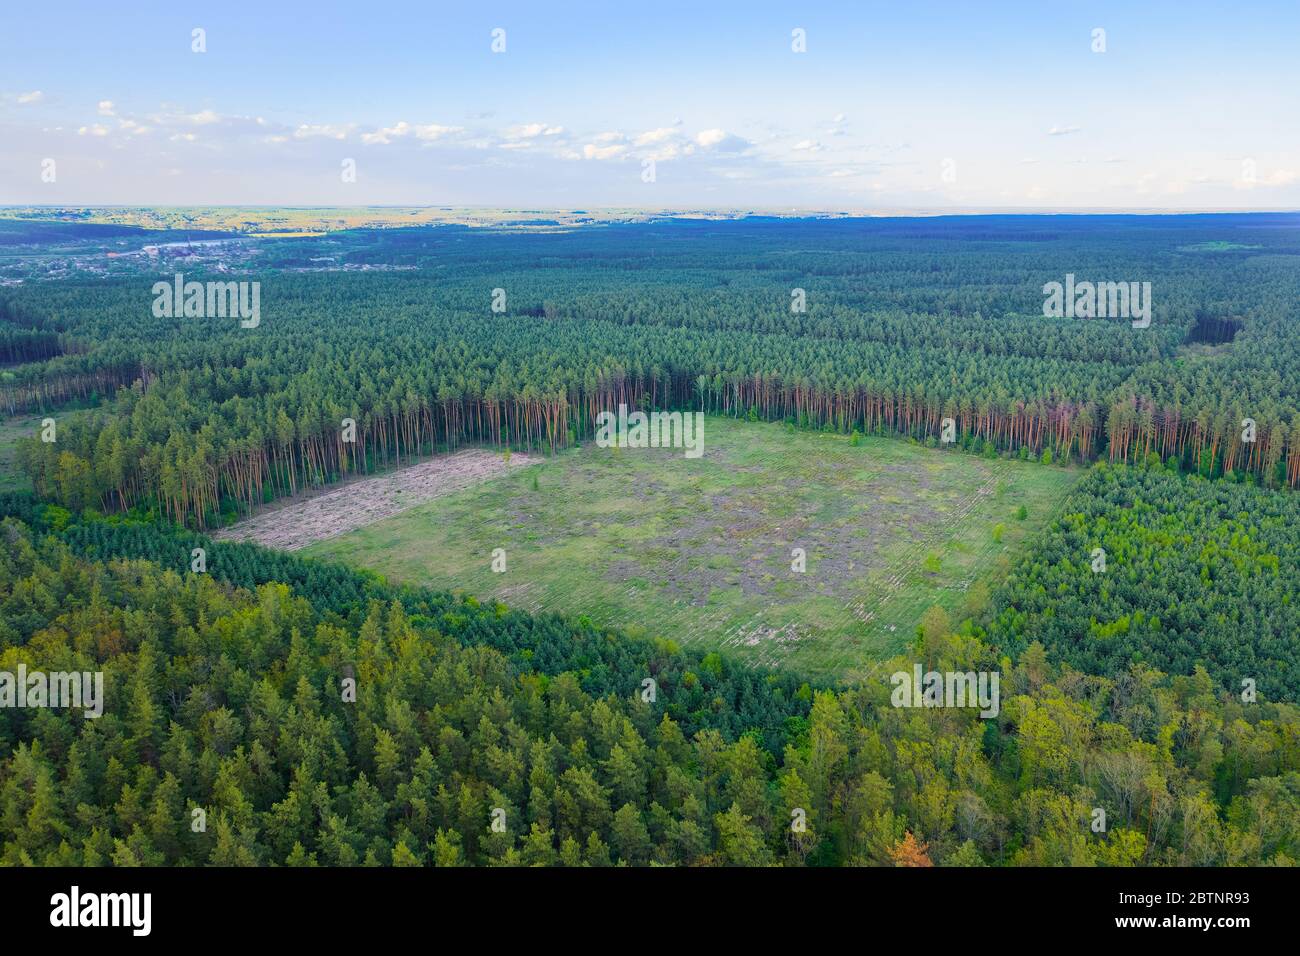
(308, 519)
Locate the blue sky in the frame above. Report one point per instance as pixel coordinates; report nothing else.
(892, 106)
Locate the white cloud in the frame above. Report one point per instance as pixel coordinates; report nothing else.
(1062, 130)
(656, 136)
(1279, 177)
(384, 135)
(670, 151)
(96, 130)
(105, 107)
(612, 151)
(328, 130)
(427, 133)
(838, 125)
(27, 99)
(432, 131)
(721, 140)
(533, 130)
(807, 146)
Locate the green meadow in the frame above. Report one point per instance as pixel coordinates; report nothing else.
(704, 550)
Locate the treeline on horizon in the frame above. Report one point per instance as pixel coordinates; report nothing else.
(908, 322)
(224, 695)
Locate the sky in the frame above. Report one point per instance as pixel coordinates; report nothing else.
(873, 106)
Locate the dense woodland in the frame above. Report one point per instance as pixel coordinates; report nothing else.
(907, 322)
(1196, 573)
(1121, 689)
(226, 697)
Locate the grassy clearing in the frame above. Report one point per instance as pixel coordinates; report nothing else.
(316, 515)
(701, 550)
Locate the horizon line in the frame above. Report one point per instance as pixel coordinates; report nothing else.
(787, 212)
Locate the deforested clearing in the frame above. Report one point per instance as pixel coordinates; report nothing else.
(358, 503)
(703, 550)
